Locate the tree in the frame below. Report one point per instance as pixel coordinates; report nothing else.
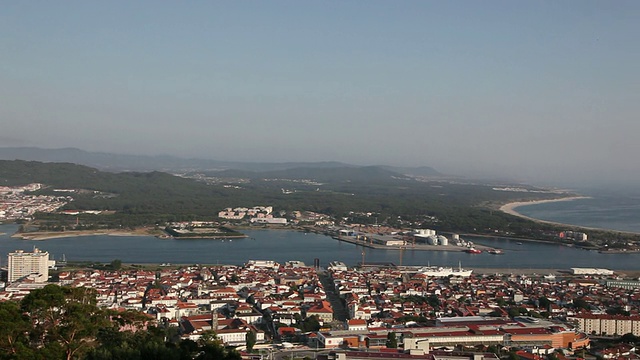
(392, 341)
(544, 303)
(250, 340)
(514, 311)
(311, 323)
(14, 327)
(116, 264)
(68, 318)
(581, 304)
(210, 348)
(434, 301)
(65, 323)
(629, 338)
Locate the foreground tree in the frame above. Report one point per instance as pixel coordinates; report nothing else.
(65, 323)
(65, 319)
(14, 326)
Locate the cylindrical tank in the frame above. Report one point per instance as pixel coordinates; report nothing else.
(455, 237)
(432, 240)
(443, 240)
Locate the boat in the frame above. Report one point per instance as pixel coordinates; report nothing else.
(473, 251)
(519, 243)
(496, 252)
(63, 262)
(437, 271)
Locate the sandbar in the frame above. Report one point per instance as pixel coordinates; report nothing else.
(46, 235)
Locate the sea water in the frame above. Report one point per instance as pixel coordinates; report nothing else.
(607, 209)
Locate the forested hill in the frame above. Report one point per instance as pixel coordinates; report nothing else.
(72, 176)
(132, 192)
(142, 198)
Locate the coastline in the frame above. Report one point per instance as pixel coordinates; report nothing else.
(510, 208)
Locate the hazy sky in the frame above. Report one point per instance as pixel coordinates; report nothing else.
(537, 90)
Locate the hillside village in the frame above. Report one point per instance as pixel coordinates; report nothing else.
(17, 202)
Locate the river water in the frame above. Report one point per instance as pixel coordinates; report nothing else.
(282, 245)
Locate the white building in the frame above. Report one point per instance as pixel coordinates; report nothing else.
(23, 264)
(252, 264)
(591, 271)
(257, 220)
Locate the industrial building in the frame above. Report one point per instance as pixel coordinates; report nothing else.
(430, 237)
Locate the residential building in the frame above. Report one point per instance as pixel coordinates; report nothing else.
(22, 264)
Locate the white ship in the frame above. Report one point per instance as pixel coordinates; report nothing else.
(437, 271)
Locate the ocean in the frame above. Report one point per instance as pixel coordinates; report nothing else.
(606, 209)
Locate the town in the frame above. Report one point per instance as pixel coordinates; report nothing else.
(16, 202)
(267, 309)
(375, 310)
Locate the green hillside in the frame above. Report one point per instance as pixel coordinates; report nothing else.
(344, 192)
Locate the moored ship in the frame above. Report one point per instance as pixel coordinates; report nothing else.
(437, 271)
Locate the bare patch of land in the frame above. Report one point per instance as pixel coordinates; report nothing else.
(46, 235)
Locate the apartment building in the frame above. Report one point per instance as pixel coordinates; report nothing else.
(22, 264)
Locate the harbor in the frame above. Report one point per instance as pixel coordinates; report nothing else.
(420, 240)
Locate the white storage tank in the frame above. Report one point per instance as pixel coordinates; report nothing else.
(443, 240)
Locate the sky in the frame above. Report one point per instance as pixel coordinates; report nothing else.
(545, 91)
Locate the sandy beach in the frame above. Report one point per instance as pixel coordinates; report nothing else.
(510, 209)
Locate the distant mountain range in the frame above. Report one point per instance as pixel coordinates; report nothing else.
(363, 174)
(165, 163)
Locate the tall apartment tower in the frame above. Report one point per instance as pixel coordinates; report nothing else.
(22, 264)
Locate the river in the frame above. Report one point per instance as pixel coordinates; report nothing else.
(282, 245)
